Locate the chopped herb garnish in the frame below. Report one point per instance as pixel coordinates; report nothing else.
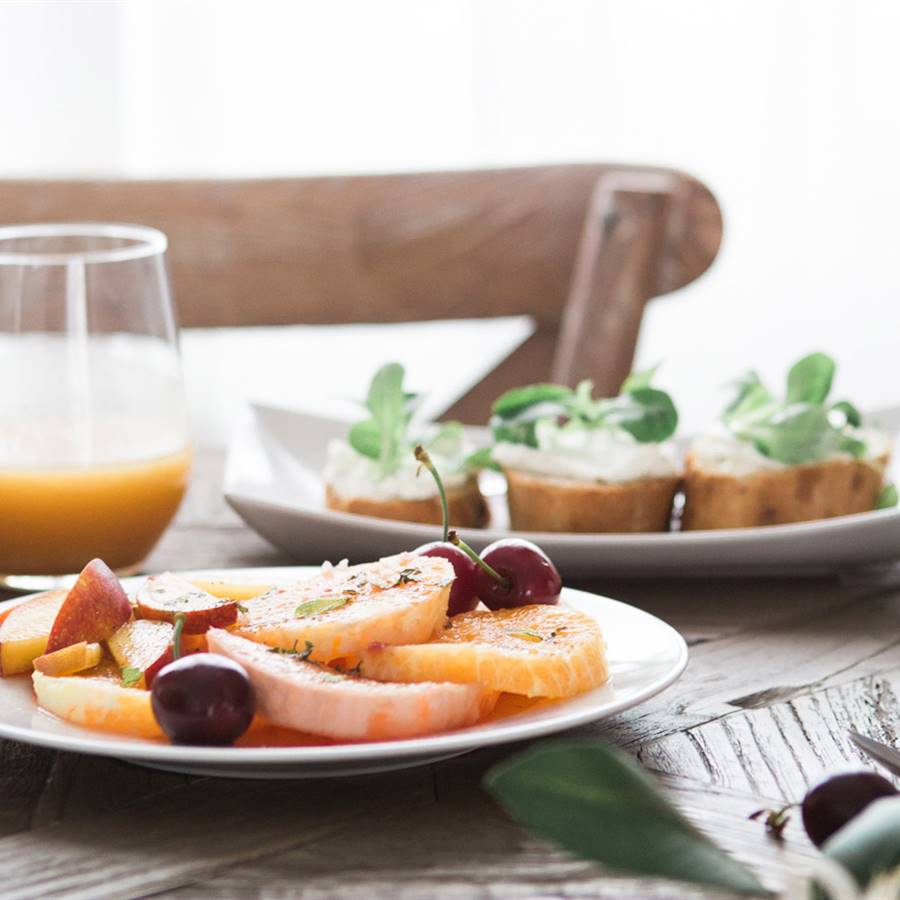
(526, 635)
(241, 608)
(300, 654)
(407, 576)
(130, 676)
(319, 605)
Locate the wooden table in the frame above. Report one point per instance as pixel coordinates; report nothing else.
(779, 670)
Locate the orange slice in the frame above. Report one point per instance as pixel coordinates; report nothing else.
(97, 701)
(398, 600)
(538, 651)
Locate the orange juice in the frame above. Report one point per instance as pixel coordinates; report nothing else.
(54, 520)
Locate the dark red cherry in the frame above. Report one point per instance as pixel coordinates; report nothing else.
(834, 802)
(463, 594)
(530, 575)
(202, 699)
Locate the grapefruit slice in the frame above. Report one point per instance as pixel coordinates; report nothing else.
(398, 600)
(97, 701)
(538, 651)
(295, 693)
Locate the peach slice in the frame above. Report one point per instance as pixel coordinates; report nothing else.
(141, 648)
(25, 630)
(97, 702)
(165, 596)
(229, 590)
(69, 660)
(93, 609)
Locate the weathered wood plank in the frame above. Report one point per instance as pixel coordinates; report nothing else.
(181, 836)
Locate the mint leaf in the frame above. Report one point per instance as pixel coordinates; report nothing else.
(130, 676)
(809, 379)
(598, 803)
(319, 605)
(887, 498)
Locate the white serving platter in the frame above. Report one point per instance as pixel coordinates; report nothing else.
(273, 480)
(645, 656)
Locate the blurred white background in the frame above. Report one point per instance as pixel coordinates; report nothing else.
(787, 110)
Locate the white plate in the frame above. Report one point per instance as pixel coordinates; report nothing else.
(645, 656)
(273, 480)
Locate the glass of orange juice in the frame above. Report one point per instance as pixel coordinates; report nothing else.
(94, 448)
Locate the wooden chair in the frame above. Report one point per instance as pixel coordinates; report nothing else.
(581, 248)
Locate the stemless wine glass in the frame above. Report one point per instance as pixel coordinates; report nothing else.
(94, 452)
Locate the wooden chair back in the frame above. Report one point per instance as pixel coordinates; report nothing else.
(581, 248)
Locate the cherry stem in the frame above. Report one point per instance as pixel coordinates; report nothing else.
(457, 541)
(180, 619)
(422, 456)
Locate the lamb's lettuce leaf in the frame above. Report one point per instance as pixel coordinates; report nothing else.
(647, 413)
(801, 428)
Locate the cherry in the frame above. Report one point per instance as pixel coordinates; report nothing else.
(510, 572)
(834, 802)
(202, 699)
(464, 593)
(527, 572)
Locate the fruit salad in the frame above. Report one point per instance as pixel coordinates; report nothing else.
(354, 653)
(419, 643)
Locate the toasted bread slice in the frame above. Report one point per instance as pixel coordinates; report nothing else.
(467, 507)
(397, 600)
(834, 487)
(542, 503)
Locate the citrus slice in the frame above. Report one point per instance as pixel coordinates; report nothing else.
(538, 651)
(317, 699)
(343, 609)
(97, 701)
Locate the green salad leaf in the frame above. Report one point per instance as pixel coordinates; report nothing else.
(597, 802)
(801, 428)
(809, 380)
(647, 413)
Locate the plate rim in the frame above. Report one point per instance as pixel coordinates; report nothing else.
(457, 741)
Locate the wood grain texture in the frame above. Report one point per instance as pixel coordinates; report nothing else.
(387, 248)
(779, 670)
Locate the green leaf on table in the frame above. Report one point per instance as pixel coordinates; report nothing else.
(887, 497)
(809, 379)
(598, 803)
(869, 843)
